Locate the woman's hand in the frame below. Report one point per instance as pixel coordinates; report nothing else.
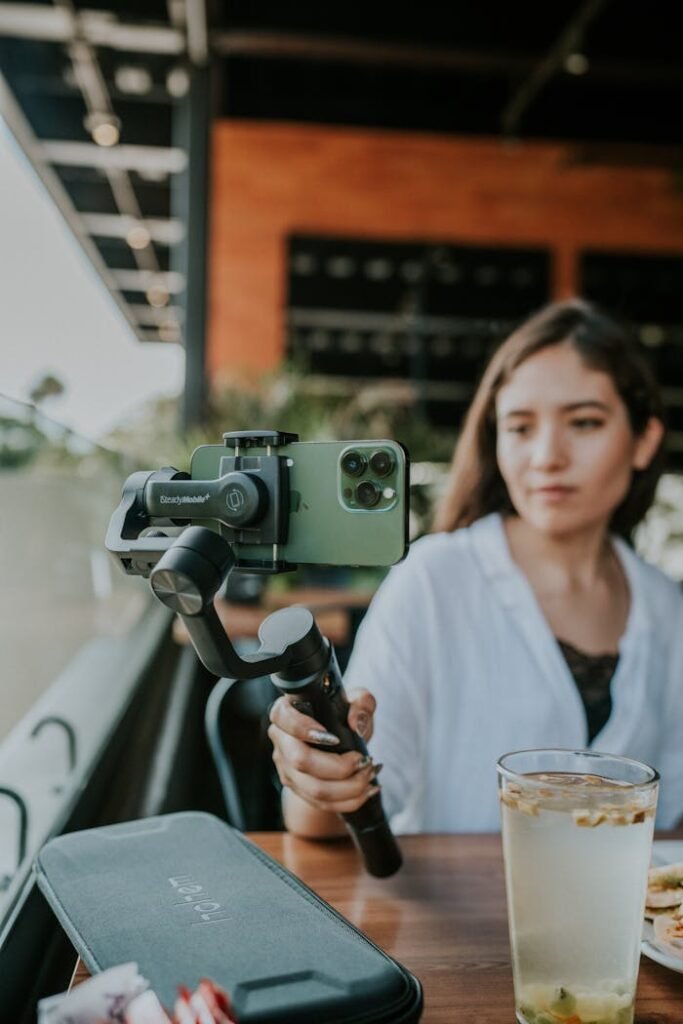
(338, 783)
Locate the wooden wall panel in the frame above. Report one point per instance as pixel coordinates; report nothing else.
(271, 179)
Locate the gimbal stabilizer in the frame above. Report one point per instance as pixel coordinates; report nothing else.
(186, 572)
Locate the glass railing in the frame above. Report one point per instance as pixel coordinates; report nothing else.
(73, 628)
(59, 588)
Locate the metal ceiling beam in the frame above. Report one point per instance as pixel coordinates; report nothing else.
(35, 21)
(569, 40)
(190, 193)
(197, 31)
(156, 315)
(127, 202)
(163, 335)
(165, 230)
(304, 47)
(81, 33)
(151, 159)
(23, 134)
(259, 43)
(142, 280)
(97, 102)
(176, 13)
(89, 77)
(32, 21)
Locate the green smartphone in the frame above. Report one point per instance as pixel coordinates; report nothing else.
(348, 501)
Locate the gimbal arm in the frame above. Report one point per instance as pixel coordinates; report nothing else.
(301, 662)
(186, 579)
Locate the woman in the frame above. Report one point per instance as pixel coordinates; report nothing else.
(527, 620)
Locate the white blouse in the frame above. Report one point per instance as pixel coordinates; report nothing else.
(465, 668)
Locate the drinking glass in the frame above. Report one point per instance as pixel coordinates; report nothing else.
(577, 835)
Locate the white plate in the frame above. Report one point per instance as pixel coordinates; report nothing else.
(664, 851)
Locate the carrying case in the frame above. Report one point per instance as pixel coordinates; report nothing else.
(186, 896)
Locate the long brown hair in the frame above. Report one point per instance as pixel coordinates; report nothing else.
(476, 487)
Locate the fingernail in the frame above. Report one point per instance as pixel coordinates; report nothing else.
(363, 762)
(362, 723)
(374, 790)
(320, 736)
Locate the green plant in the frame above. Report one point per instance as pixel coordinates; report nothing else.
(286, 400)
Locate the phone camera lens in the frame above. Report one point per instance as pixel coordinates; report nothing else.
(353, 463)
(368, 493)
(382, 463)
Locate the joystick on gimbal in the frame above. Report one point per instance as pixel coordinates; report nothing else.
(185, 574)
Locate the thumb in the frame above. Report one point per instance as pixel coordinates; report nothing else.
(361, 712)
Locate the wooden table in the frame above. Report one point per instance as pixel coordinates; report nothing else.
(443, 916)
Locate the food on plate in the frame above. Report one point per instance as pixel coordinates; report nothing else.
(664, 890)
(668, 930)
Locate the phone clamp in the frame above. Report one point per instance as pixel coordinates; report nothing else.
(248, 504)
(130, 536)
(258, 438)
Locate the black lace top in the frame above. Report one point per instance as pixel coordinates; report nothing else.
(593, 675)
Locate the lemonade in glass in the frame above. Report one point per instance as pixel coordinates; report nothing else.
(577, 834)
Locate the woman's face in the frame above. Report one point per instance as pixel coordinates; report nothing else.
(565, 448)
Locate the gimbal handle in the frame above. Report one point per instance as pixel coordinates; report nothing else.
(299, 659)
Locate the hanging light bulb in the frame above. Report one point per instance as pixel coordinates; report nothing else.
(576, 63)
(133, 79)
(138, 237)
(157, 296)
(177, 82)
(105, 129)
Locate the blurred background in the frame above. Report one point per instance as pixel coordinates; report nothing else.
(315, 217)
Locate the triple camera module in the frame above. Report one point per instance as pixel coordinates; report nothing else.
(368, 478)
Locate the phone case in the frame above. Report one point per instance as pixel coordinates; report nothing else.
(323, 527)
(186, 896)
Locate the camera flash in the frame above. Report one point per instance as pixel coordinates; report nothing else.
(388, 493)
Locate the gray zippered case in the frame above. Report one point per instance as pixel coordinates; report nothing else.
(186, 896)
